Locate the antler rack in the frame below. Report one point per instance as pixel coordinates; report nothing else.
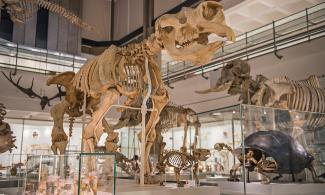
(45, 100)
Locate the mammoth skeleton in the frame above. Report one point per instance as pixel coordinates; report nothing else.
(121, 71)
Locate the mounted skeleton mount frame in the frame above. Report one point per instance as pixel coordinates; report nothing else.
(122, 71)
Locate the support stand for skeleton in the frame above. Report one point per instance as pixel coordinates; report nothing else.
(143, 124)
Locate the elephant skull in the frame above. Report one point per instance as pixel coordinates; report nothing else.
(232, 76)
(194, 34)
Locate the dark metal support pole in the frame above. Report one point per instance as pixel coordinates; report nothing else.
(22, 140)
(145, 18)
(16, 63)
(274, 42)
(112, 19)
(151, 16)
(246, 45)
(233, 137)
(307, 25)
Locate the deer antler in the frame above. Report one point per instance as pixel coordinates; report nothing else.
(29, 91)
(59, 94)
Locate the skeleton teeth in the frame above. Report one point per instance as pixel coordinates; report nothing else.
(214, 38)
(178, 46)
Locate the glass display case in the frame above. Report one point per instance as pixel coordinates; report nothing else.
(97, 173)
(70, 174)
(255, 146)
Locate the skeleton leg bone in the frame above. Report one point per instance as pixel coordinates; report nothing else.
(233, 172)
(267, 178)
(89, 133)
(93, 129)
(314, 175)
(195, 173)
(158, 105)
(178, 177)
(184, 148)
(59, 137)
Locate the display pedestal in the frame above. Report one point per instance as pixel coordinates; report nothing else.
(130, 188)
(256, 188)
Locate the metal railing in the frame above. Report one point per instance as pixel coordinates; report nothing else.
(303, 26)
(20, 57)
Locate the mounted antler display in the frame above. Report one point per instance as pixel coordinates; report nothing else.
(45, 100)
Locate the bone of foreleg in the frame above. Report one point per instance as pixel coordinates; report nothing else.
(109, 98)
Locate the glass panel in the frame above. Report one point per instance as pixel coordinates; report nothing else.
(97, 173)
(51, 174)
(220, 128)
(282, 145)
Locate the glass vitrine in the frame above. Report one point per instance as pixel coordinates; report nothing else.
(70, 174)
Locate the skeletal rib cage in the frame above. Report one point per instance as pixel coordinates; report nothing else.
(170, 115)
(307, 96)
(133, 78)
(178, 160)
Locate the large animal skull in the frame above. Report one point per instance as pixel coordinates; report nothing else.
(189, 34)
(231, 78)
(201, 154)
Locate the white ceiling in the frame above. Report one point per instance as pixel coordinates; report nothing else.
(251, 14)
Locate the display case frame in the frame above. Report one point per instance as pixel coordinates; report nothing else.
(61, 174)
(275, 119)
(88, 157)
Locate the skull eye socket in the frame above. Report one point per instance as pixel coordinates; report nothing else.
(167, 29)
(209, 11)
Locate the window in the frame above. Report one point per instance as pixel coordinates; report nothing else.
(42, 28)
(6, 25)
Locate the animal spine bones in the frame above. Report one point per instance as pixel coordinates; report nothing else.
(22, 10)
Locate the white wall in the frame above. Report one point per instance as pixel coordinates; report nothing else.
(98, 14)
(129, 14)
(14, 99)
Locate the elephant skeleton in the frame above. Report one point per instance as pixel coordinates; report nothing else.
(282, 92)
(121, 71)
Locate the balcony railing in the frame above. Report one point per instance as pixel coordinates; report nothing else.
(303, 26)
(19, 57)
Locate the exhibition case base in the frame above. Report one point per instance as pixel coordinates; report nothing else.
(130, 188)
(256, 188)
